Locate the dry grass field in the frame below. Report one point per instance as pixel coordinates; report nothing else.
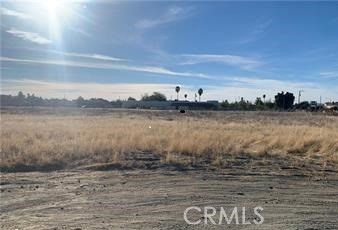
(56, 138)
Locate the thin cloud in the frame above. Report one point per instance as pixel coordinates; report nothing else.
(80, 31)
(91, 56)
(94, 56)
(233, 60)
(8, 12)
(267, 84)
(29, 36)
(261, 28)
(256, 33)
(173, 14)
(329, 74)
(146, 69)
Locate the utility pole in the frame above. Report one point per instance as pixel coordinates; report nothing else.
(299, 94)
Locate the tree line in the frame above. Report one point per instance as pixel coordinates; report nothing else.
(283, 101)
(31, 100)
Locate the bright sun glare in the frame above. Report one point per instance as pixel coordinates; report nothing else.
(59, 12)
(58, 7)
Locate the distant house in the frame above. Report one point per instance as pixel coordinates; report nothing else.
(170, 105)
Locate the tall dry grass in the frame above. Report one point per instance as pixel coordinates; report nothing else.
(47, 139)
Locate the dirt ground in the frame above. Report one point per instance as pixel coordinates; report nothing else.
(111, 197)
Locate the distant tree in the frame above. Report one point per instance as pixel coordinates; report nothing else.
(269, 105)
(303, 105)
(264, 97)
(177, 89)
(7, 100)
(80, 102)
(116, 104)
(284, 100)
(200, 92)
(21, 95)
(20, 99)
(131, 99)
(145, 97)
(31, 100)
(242, 104)
(259, 103)
(225, 105)
(185, 96)
(156, 96)
(97, 103)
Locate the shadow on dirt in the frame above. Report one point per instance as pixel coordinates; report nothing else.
(260, 165)
(32, 168)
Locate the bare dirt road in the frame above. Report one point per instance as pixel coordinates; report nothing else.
(157, 198)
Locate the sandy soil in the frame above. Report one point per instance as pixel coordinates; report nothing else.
(155, 198)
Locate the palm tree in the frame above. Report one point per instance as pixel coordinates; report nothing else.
(185, 96)
(200, 92)
(177, 89)
(264, 97)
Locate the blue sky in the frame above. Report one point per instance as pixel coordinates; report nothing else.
(117, 49)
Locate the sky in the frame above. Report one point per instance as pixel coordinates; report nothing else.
(114, 49)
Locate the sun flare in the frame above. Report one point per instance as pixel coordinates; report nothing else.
(59, 12)
(59, 7)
